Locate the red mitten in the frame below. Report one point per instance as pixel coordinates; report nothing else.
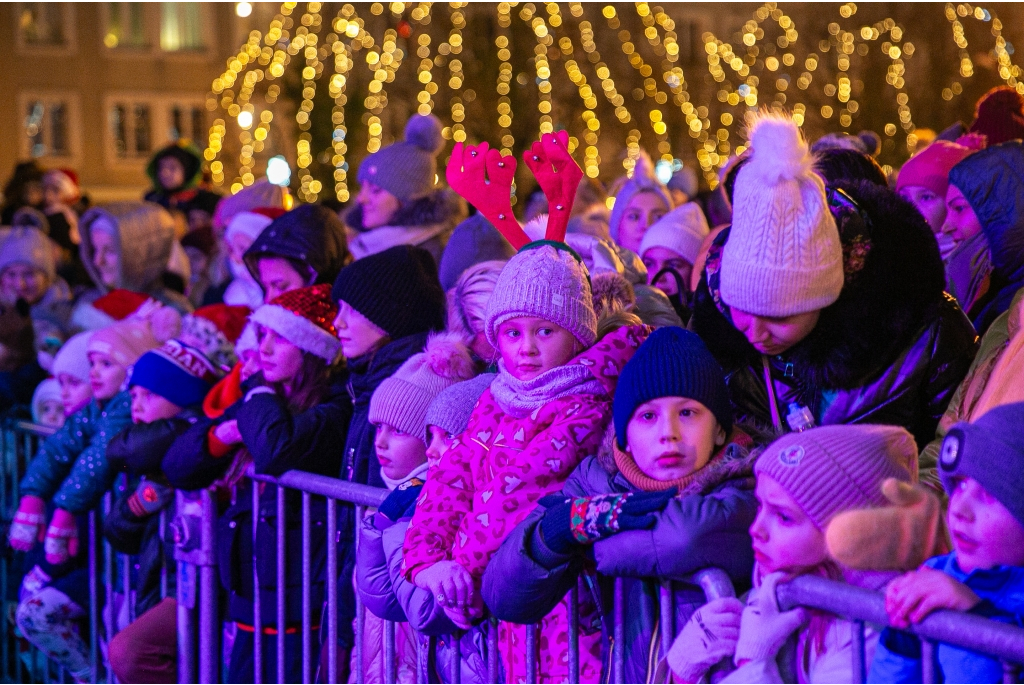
(558, 175)
(484, 178)
(61, 541)
(29, 523)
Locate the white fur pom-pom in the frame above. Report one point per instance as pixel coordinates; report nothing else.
(779, 151)
(448, 357)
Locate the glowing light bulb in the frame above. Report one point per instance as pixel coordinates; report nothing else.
(278, 171)
(245, 119)
(243, 9)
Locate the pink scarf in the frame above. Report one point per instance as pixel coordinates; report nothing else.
(519, 398)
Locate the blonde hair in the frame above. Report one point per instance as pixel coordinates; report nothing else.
(467, 301)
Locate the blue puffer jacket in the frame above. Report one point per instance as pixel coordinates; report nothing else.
(992, 180)
(898, 655)
(71, 466)
(705, 526)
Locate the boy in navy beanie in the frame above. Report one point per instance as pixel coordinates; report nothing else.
(982, 470)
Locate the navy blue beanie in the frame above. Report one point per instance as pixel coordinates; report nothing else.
(672, 362)
(177, 372)
(991, 451)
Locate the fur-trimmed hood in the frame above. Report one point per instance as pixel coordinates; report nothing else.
(893, 288)
(440, 207)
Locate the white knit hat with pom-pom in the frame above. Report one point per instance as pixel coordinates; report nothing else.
(783, 255)
(402, 400)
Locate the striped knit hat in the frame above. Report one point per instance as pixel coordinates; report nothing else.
(832, 469)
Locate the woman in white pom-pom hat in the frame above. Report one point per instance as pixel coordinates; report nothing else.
(826, 305)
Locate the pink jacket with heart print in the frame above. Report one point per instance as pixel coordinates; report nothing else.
(495, 472)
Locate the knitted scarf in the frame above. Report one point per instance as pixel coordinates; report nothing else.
(519, 398)
(728, 462)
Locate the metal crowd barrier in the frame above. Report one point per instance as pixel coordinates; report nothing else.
(198, 593)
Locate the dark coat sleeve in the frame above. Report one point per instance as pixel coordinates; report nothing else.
(141, 447)
(281, 440)
(123, 529)
(188, 464)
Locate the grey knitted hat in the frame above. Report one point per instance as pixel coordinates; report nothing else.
(547, 283)
(831, 469)
(451, 409)
(402, 400)
(406, 169)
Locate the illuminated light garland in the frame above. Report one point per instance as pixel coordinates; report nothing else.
(305, 42)
(457, 77)
(543, 69)
(343, 64)
(424, 76)
(503, 87)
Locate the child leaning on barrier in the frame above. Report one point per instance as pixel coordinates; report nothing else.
(292, 415)
(669, 493)
(398, 410)
(70, 473)
(803, 481)
(980, 465)
(167, 387)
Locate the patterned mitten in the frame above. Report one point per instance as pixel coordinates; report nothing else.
(61, 541)
(585, 520)
(894, 538)
(29, 523)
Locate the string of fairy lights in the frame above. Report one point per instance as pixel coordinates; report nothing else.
(760, 70)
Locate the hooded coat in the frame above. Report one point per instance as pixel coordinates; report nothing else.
(427, 222)
(992, 180)
(310, 234)
(706, 525)
(188, 195)
(145, 234)
(891, 350)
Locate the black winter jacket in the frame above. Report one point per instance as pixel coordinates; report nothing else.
(892, 349)
(139, 449)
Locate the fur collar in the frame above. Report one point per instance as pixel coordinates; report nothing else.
(440, 207)
(894, 282)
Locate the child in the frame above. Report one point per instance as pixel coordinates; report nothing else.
(293, 415)
(467, 307)
(47, 405)
(303, 247)
(107, 234)
(166, 387)
(176, 172)
(803, 481)
(640, 202)
(241, 233)
(980, 463)
(71, 466)
(543, 413)
(28, 271)
(672, 433)
(71, 369)
(398, 411)
(670, 248)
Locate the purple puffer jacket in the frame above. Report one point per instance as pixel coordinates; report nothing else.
(705, 526)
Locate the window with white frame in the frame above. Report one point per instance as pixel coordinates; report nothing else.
(173, 27)
(139, 125)
(45, 26)
(49, 125)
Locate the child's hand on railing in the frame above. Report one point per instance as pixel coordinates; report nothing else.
(709, 636)
(450, 584)
(764, 628)
(585, 520)
(912, 596)
(61, 541)
(29, 525)
(149, 498)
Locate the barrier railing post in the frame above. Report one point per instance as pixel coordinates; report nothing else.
(282, 626)
(194, 534)
(94, 618)
(307, 581)
(574, 634)
(492, 649)
(667, 612)
(860, 674)
(360, 616)
(209, 625)
(390, 667)
(332, 591)
(619, 633)
(927, 661)
(257, 609)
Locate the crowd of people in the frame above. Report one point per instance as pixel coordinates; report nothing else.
(813, 369)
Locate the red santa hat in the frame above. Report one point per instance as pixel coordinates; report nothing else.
(305, 318)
